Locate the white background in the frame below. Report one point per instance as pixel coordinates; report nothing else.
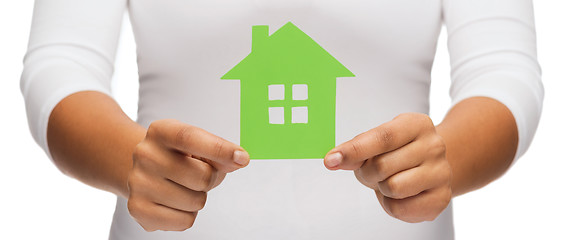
(536, 199)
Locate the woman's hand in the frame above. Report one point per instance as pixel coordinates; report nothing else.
(404, 162)
(173, 169)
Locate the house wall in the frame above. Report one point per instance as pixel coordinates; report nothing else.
(288, 141)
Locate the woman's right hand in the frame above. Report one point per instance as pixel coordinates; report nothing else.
(173, 169)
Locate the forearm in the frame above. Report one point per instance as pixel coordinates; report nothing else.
(91, 139)
(481, 141)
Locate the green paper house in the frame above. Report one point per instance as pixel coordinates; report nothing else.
(288, 92)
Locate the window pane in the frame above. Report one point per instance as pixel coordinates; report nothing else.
(300, 92)
(276, 92)
(300, 115)
(276, 115)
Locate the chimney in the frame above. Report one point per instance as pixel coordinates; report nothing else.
(259, 35)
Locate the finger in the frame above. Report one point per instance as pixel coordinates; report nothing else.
(194, 174)
(426, 206)
(384, 138)
(166, 192)
(152, 216)
(198, 142)
(381, 167)
(176, 196)
(411, 182)
(187, 171)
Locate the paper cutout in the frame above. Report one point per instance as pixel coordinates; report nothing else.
(292, 61)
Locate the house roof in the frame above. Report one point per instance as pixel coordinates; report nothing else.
(288, 53)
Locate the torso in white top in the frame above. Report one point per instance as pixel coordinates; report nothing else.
(186, 46)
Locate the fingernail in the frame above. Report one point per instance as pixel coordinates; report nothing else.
(334, 159)
(240, 157)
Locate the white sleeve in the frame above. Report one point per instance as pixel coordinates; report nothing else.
(492, 46)
(72, 48)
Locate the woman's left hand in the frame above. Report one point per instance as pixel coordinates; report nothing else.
(405, 162)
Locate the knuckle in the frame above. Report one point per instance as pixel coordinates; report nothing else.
(137, 181)
(384, 136)
(156, 127)
(394, 188)
(366, 176)
(136, 208)
(218, 147)
(443, 200)
(186, 222)
(444, 173)
(357, 148)
(423, 121)
(153, 128)
(205, 178)
(226, 168)
(140, 151)
(183, 135)
(199, 202)
(156, 124)
(423, 118)
(438, 146)
(146, 155)
(383, 169)
(398, 210)
(363, 178)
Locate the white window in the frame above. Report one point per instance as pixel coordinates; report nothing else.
(276, 115)
(300, 115)
(300, 92)
(276, 92)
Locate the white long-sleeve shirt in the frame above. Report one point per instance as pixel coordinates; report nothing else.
(186, 46)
